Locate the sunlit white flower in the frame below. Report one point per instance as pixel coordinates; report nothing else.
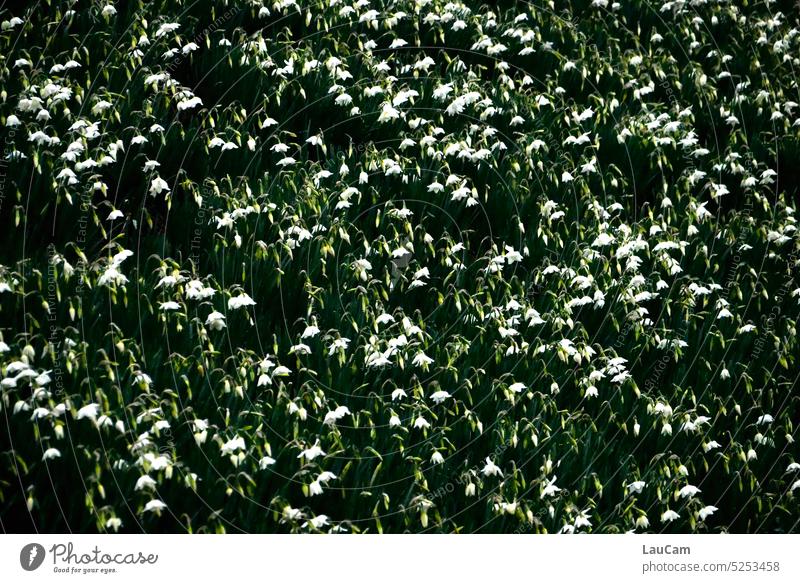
(669, 516)
(688, 491)
(311, 453)
(490, 469)
(154, 506)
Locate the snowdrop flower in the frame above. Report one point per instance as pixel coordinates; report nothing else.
(333, 416)
(240, 301)
(158, 185)
(317, 522)
(384, 319)
(339, 344)
(398, 394)
(300, 349)
(582, 519)
(550, 488)
(290, 513)
(490, 469)
(51, 453)
(314, 488)
(39, 412)
(215, 321)
(765, 419)
(312, 452)
(669, 516)
(310, 332)
(688, 491)
(421, 423)
(636, 487)
(233, 445)
(706, 511)
(145, 483)
(421, 360)
(155, 506)
(89, 411)
(440, 397)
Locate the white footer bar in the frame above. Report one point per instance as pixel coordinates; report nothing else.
(374, 559)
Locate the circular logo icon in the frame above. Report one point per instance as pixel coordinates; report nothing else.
(31, 556)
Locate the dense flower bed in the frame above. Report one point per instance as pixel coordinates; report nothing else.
(399, 265)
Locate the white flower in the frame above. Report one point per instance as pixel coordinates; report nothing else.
(312, 452)
(215, 321)
(240, 301)
(158, 185)
(669, 516)
(155, 506)
(89, 411)
(490, 469)
(51, 453)
(300, 349)
(706, 511)
(189, 103)
(636, 487)
(437, 458)
(331, 417)
(326, 477)
(421, 423)
(233, 445)
(339, 344)
(440, 397)
(309, 332)
(281, 371)
(145, 483)
(384, 319)
(688, 491)
(550, 488)
(398, 394)
(166, 28)
(290, 513)
(112, 275)
(317, 522)
(516, 387)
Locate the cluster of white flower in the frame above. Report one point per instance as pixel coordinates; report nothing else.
(381, 247)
